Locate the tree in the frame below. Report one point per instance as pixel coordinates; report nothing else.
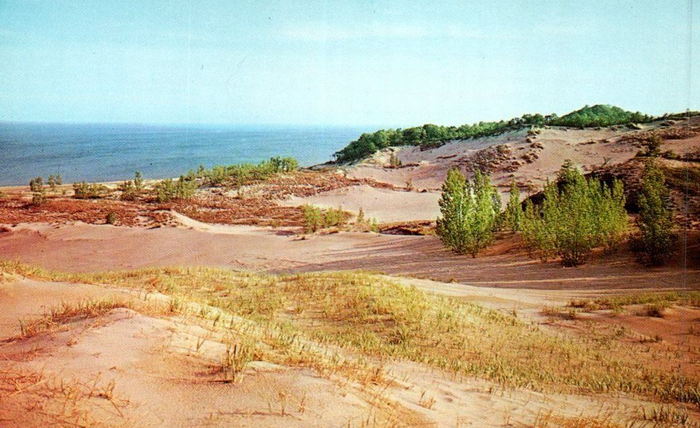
(655, 220)
(513, 214)
(577, 215)
(469, 211)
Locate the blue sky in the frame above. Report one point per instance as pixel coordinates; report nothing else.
(397, 63)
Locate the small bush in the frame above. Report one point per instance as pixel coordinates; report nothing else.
(131, 190)
(394, 160)
(54, 181)
(36, 185)
(85, 190)
(316, 218)
(168, 190)
(655, 309)
(112, 218)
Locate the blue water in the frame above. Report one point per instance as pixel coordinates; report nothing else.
(102, 152)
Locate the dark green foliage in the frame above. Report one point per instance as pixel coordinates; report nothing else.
(512, 216)
(280, 164)
(84, 190)
(655, 218)
(577, 215)
(36, 185)
(316, 218)
(245, 173)
(430, 135)
(168, 190)
(600, 115)
(470, 211)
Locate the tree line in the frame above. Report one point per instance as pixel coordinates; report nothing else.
(576, 215)
(430, 135)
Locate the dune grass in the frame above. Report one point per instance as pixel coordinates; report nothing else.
(379, 319)
(691, 298)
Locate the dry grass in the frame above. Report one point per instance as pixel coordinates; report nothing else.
(658, 300)
(295, 319)
(66, 313)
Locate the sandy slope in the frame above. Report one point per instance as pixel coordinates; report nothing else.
(130, 369)
(83, 247)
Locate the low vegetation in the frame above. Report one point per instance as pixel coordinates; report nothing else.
(430, 135)
(691, 298)
(576, 216)
(316, 218)
(85, 190)
(470, 211)
(180, 189)
(36, 186)
(132, 189)
(245, 173)
(379, 318)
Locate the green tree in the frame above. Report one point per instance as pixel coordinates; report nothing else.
(512, 216)
(577, 215)
(655, 220)
(469, 211)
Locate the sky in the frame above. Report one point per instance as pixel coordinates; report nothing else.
(358, 62)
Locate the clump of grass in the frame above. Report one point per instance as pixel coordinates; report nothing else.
(691, 298)
(665, 414)
(237, 356)
(553, 312)
(66, 313)
(655, 309)
(380, 318)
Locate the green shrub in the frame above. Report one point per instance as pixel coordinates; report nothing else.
(577, 215)
(316, 218)
(655, 219)
(469, 210)
(168, 190)
(131, 190)
(84, 190)
(36, 185)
